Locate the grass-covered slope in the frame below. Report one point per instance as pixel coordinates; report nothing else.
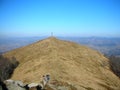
(66, 62)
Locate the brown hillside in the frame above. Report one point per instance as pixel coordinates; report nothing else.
(65, 61)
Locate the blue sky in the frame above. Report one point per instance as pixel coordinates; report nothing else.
(62, 17)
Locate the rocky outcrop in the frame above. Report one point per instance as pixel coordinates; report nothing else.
(18, 85)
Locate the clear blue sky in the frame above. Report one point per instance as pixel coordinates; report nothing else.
(63, 17)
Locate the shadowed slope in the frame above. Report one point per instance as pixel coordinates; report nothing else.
(66, 62)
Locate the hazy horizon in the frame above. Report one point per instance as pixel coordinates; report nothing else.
(71, 18)
(32, 36)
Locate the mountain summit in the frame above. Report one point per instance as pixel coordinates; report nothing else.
(65, 61)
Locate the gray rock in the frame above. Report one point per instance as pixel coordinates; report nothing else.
(12, 86)
(0, 87)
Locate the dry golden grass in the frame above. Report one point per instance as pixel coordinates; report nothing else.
(65, 61)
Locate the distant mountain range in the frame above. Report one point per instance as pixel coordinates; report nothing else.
(107, 46)
(7, 44)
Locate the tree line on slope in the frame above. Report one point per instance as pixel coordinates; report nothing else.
(7, 67)
(115, 64)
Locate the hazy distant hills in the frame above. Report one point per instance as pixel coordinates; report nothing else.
(67, 63)
(108, 46)
(7, 44)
